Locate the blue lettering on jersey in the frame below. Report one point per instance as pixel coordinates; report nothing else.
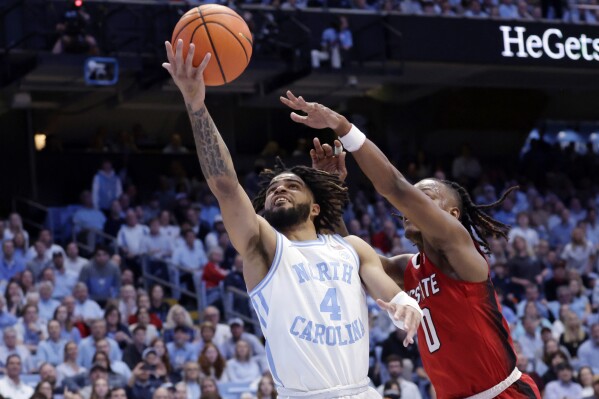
(322, 271)
(321, 334)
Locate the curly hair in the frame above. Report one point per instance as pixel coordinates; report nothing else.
(474, 219)
(330, 193)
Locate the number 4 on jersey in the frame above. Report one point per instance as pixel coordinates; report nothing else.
(330, 305)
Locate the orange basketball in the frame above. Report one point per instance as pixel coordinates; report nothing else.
(220, 31)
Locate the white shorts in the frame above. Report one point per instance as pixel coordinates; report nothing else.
(370, 393)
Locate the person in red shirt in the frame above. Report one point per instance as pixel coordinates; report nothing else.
(464, 341)
(213, 274)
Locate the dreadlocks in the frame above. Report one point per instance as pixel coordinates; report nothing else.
(329, 192)
(474, 218)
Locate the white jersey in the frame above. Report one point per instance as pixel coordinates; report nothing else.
(313, 313)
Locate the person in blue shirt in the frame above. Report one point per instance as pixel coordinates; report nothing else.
(336, 42)
(51, 350)
(180, 351)
(102, 277)
(9, 264)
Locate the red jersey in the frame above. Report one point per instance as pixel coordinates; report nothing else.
(464, 341)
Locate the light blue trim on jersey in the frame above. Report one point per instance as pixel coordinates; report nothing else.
(271, 364)
(318, 242)
(257, 308)
(273, 267)
(263, 301)
(349, 247)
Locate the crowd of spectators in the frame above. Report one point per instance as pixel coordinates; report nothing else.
(91, 327)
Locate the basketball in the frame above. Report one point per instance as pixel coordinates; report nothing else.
(220, 31)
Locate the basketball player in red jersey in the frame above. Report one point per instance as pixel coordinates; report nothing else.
(464, 341)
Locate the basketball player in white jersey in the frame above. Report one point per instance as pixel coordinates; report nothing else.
(307, 287)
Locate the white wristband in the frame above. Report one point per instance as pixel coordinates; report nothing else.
(405, 300)
(353, 140)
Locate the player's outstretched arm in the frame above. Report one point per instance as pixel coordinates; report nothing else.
(403, 310)
(443, 231)
(250, 235)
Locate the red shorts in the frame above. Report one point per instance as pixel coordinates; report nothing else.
(523, 388)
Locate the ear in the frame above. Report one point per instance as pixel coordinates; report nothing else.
(315, 210)
(455, 212)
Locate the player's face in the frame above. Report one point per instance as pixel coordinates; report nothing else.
(435, 191)
(288, 201)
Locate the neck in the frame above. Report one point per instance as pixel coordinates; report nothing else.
(301, 232)
(15, 379)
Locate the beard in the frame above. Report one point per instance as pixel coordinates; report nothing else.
(282, 219)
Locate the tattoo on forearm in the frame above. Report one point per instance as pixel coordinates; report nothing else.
(213, 160)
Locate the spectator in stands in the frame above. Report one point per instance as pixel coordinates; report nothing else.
(561, 233)
(235, 279)
(242, 367)
(211, 239)
(178, 317)
(69, 366)
(466, 167)
(524, 230)
(45, 236)
(191, 378)
(573, 335)
(190, 257)
(38, 261)
(168, 226)
(118, 393)
(588, 352)
(161, 358)
(129, 240)
(506, 214)
(155, 243)
(559, 278)
(118, 372)
(532, 296)
(102, 277)
(14, 226)
(207, 332)
(180, 350)
(237, 333)
(212, 363)
(580, 300)
(43, 389)
(115, 328)
(88, 217)
(266, 387)
(475, 10)
(143, 320)
(209, 389)
(383, 239)
(579, 254)
(10, 266)
(67, 329)
(73, 262)
(11, 385)
(48, 374)
(565, 386)
(27, 283)
(47, 305)
(223, 331)
(213, 275)
(143, 301)
(585, 379)
(524, 270)
(335, 44)
(106, 187)
(135, 350)
(394, 365)
(175, 145)
(7, 319)
(127, 301)
(11, 347)
(87, 346)
(143, 383)
(51, 350)
(20, 246)
(73, 32)
(63, 280)
(229, 252)
(115, 220)
(31, 330)
(158, 306)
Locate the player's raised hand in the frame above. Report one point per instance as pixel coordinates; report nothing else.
(324, 157)
(317, 115)
(408, 315)
(189, 79)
